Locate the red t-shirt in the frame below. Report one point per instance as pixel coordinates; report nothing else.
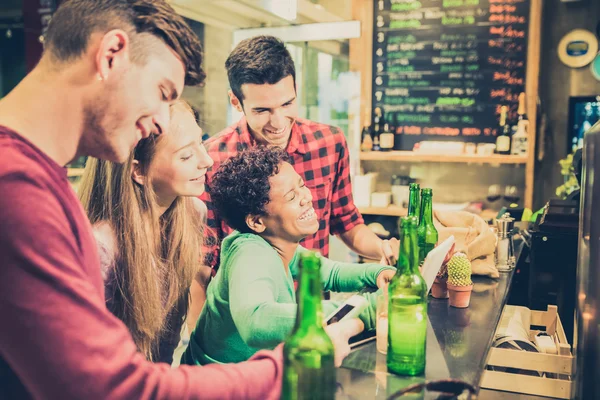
(57, 339)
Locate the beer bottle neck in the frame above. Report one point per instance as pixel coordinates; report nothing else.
(413, 203)
(310, 312)
(408, 259)
(426, 217)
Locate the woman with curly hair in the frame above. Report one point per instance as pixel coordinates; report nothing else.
(251, 304)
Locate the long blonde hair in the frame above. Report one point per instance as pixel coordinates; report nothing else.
(157, 257)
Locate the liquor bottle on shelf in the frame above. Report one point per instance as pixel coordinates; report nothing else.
(407, 307)
(522, 110)
(397, 136)
(376, 131)
(386, 138)
(413, 200)
(366, 141)
(376, 146)
(520, 140)
(308, 354)
(391, 121)
(377, 116)
(426, 232)
(503, 138)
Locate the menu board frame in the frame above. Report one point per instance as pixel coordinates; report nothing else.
(464, 112)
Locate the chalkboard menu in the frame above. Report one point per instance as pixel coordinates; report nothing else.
(443, 68)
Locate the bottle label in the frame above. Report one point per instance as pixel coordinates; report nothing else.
(519, 145)
(503, 143)
(387, 141)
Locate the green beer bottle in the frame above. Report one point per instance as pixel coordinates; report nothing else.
(407, 308)
(426, 232)
(413, 200)
(308, 355)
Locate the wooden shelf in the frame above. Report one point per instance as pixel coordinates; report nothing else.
(73, 172)
(392, 211)
(410, 156)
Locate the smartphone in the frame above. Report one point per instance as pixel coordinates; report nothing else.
(362, 338)
(351, 308)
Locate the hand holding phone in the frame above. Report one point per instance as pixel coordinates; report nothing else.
(339, 334)
(351, 308)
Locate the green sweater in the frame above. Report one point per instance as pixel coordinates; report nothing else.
(251, 303)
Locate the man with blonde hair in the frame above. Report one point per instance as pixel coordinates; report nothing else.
(108, 73)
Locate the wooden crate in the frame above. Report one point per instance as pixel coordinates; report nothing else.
(557, 368)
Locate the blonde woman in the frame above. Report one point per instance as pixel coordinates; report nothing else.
(147, 223)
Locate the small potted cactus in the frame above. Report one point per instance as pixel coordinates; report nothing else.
(439, 289)
(459, 280)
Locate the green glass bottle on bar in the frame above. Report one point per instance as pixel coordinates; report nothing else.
(308, 354)
(413, 200)
(426, 233)
(407, 307)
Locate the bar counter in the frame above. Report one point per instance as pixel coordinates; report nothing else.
(458, 341)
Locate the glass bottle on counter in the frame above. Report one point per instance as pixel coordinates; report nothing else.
(426, 232)
(407, 308)
(503, 138)
(308, 355)
(413, 200)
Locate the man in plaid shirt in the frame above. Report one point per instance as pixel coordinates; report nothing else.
(262, 78)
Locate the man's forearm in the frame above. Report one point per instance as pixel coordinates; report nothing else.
(363, 241)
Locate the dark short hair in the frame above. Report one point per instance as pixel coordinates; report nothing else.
(258, 60)
(240, 187)
(76, 20)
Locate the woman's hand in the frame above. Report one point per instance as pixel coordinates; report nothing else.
(385, 277)
(389, 251)
(449, 255)
(443, 271)
(340, 333)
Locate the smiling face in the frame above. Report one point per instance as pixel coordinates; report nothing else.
(181, 161)
(132, 99)
(270, 110)
(289, 212)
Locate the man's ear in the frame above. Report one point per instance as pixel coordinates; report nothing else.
(255, 223)
(235, 102)
(112, 53)
(136, 173)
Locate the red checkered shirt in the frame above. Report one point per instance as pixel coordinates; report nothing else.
(319, 154)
